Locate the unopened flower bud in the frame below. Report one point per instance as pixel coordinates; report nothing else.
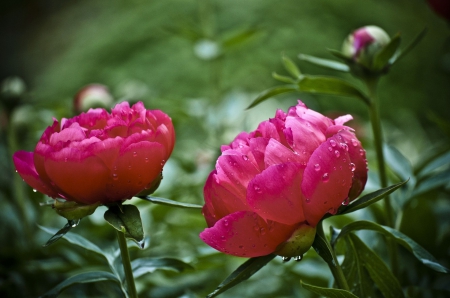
(73, 210)
(364, 43)
(92, 96)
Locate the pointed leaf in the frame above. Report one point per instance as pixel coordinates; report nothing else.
(238, 38)
(127, 217)
(411, 46)
(81, 242)
(382, 58)
(433, 164)
(59, 234)
(340, 55)
(330, 85)
(356, 275)
(377, 269)
(271, 92)
(398, 163)
(243, 272)
(329, 64)
(323, 249)
(283, 79)
(87, 277)
(291, 67)
(419, 252)
(148, 265)
(172, 203)
(432, 182)
(326, 292)
(370, 198)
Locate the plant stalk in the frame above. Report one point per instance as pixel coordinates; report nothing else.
(126, 264)
(335, 268)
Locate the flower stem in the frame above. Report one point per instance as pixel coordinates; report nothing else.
(126, 264)
(378, 142)
(326, 251)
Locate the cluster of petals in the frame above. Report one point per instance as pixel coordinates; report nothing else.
(289, 172)
(99, 157)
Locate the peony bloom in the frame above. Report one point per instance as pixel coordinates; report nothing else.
(98, 157)
(364, 43)
(272, 186)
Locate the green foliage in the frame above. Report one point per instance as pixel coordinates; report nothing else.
(325, 292)
(126, 218)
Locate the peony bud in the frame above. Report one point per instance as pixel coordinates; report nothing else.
(92, 96)
(364, 43)
(299, 243)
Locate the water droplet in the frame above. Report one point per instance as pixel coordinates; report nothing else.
(354, 142)
(345, 146)
(346, 201)
(241, 246)
(225, 222)
(325, 177)
(317, 167)
(285, 259)
(134, 154)
(262, 231)
(34, 190)
(115, 176)
(337, 153)
(333, 143)
(65, 159)
(344, 159)
(257, 188)
(332, 211)
(361, 152)
(330, 149)
(304, 152)
(73, 223)
(146, 159)
(129, 167)
(352, 167)
(253, 245)
(245, 157)
(298, 258)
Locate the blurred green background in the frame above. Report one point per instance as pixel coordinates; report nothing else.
(203, 62)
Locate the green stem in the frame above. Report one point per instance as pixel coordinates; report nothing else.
(126, 264)
(378, 142)
(323, 246)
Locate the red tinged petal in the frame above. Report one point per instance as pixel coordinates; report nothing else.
(276, 153)
(24, 163)
(326, 180)
(245, 234)
(219, 201)
(306, 136)
(275, 194)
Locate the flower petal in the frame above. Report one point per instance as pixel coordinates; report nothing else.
(326, 180)
(24, 163)
(245, 234)
(275, 194)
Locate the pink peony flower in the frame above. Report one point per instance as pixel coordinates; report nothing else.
(272, 186)
(99, 157)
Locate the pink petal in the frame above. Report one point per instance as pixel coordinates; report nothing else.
(275, 194)
(68, 135)
(326, 180)
(277, 153)
(24, 163)
(219, 202)
(306, 136)
(245, 234)
(343, 119)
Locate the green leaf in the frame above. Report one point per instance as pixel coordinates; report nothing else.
(326, 292)
(59, 234)
(419, 252)
(87, 277)
(167, 202)
(434, 164)
(382, 58)
(148, 265)
(291, 67)
(340, 55)
(377, 269)
(271, 92)
(283, 79)
(127, 217)
(430, 156)
(239, 37)
(81, 242)
(356, 275)
(432, 182)
(326, 63)
(398, 163)
(370, 198)
(411, 46)
(330, 85)
(243, 272)
(323, 249)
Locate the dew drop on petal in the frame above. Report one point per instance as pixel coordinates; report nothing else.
(330, 149)
(245, 157)
(134, 154)
(241, 246)
(115, 176)
(325, 177)
(346, 201)
(308, 200)
(352, 167)
(146, 159)
(285, 259)
(257, 188)
(337, 153)
(225, 222)
(129, 167)
(333, 143)
(361, 152)
(65, 159)
(317, 167)
(262, 231)
(354, 142)
(34, 190)
(332, 211)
